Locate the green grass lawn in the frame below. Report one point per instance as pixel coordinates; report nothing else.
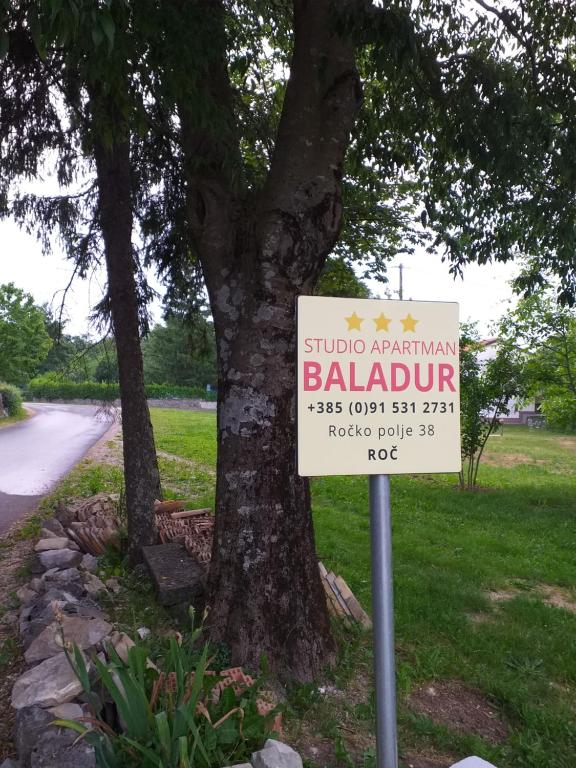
(515, 536)
(451, 548)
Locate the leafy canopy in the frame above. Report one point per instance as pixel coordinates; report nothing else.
(547, 333)
(24, 341)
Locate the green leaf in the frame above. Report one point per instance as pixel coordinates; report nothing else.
(74, 725)
(108, 27)
(184, 758)
(97, 36)
(164, 735)
(197, 738)
(4, 44)
(78, 664)
(154, 759)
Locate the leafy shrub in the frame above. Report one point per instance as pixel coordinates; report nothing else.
(173, 715)
(560, 412)
(11, 399)
(51, 386)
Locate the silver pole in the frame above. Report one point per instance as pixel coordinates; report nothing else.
(383, 622)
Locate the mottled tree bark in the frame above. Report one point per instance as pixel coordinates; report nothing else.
(116, 220)
(257, 255)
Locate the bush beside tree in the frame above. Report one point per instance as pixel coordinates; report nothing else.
(10, 399)
(486, 388)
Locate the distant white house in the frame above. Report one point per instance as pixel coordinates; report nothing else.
(527, 413)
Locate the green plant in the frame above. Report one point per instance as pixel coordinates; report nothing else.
(486, 388)
(52, 386)
(176, 716)
(11, 399)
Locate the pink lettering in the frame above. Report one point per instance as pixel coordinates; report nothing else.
(312, 380)
(445, 374)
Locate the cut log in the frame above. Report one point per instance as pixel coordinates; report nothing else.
(164, 507)
(190, 513)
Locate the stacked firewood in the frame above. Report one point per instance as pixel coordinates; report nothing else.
(94, 524)
(192, 526)
(195, 527)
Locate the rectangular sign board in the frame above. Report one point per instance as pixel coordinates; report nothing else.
(378, 387)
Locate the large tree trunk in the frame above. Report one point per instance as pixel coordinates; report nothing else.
(265, 594)
(258, 252)
(141, 473)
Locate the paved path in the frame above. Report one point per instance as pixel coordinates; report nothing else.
(36, 453)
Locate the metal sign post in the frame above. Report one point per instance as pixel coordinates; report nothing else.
(378, 395)
(383, 622)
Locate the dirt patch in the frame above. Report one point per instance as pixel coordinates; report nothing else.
(502, 595)
(548, 593)
(418, 760)
(557, 597)
(567, 442)
(318, 750)
(510, 459)
(359, 688)
(108, 449)
(185, 462)
(452, 704)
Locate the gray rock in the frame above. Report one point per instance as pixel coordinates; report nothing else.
(29, 724)
(121, 642)
(35, 566)
(276, 754)
(55, 526)
(473, 762)
(77, 630)
(89, 563)
(70, 711)
(57, 576)
(45, 533)
(56, 748)
(36, 584)
(113, 585)
(25, 594)
(58, 542)
(41, 611)
(9, 763)
(59, 558)
(93, 585)
(51, 683)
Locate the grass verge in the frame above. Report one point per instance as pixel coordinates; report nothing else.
(472, 571)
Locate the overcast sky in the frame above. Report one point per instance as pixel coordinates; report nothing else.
(482, 295)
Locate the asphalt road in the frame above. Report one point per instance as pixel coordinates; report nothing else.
(36, 453)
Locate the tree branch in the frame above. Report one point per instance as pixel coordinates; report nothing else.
(507, 18)
(322, 98)
(211, 147)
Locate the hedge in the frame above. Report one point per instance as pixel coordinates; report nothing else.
(45, 388)
(11, 399)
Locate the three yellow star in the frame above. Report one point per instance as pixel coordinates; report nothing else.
(382, 322)
(354, 322)
(408, 323)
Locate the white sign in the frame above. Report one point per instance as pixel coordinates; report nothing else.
(378, 387)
